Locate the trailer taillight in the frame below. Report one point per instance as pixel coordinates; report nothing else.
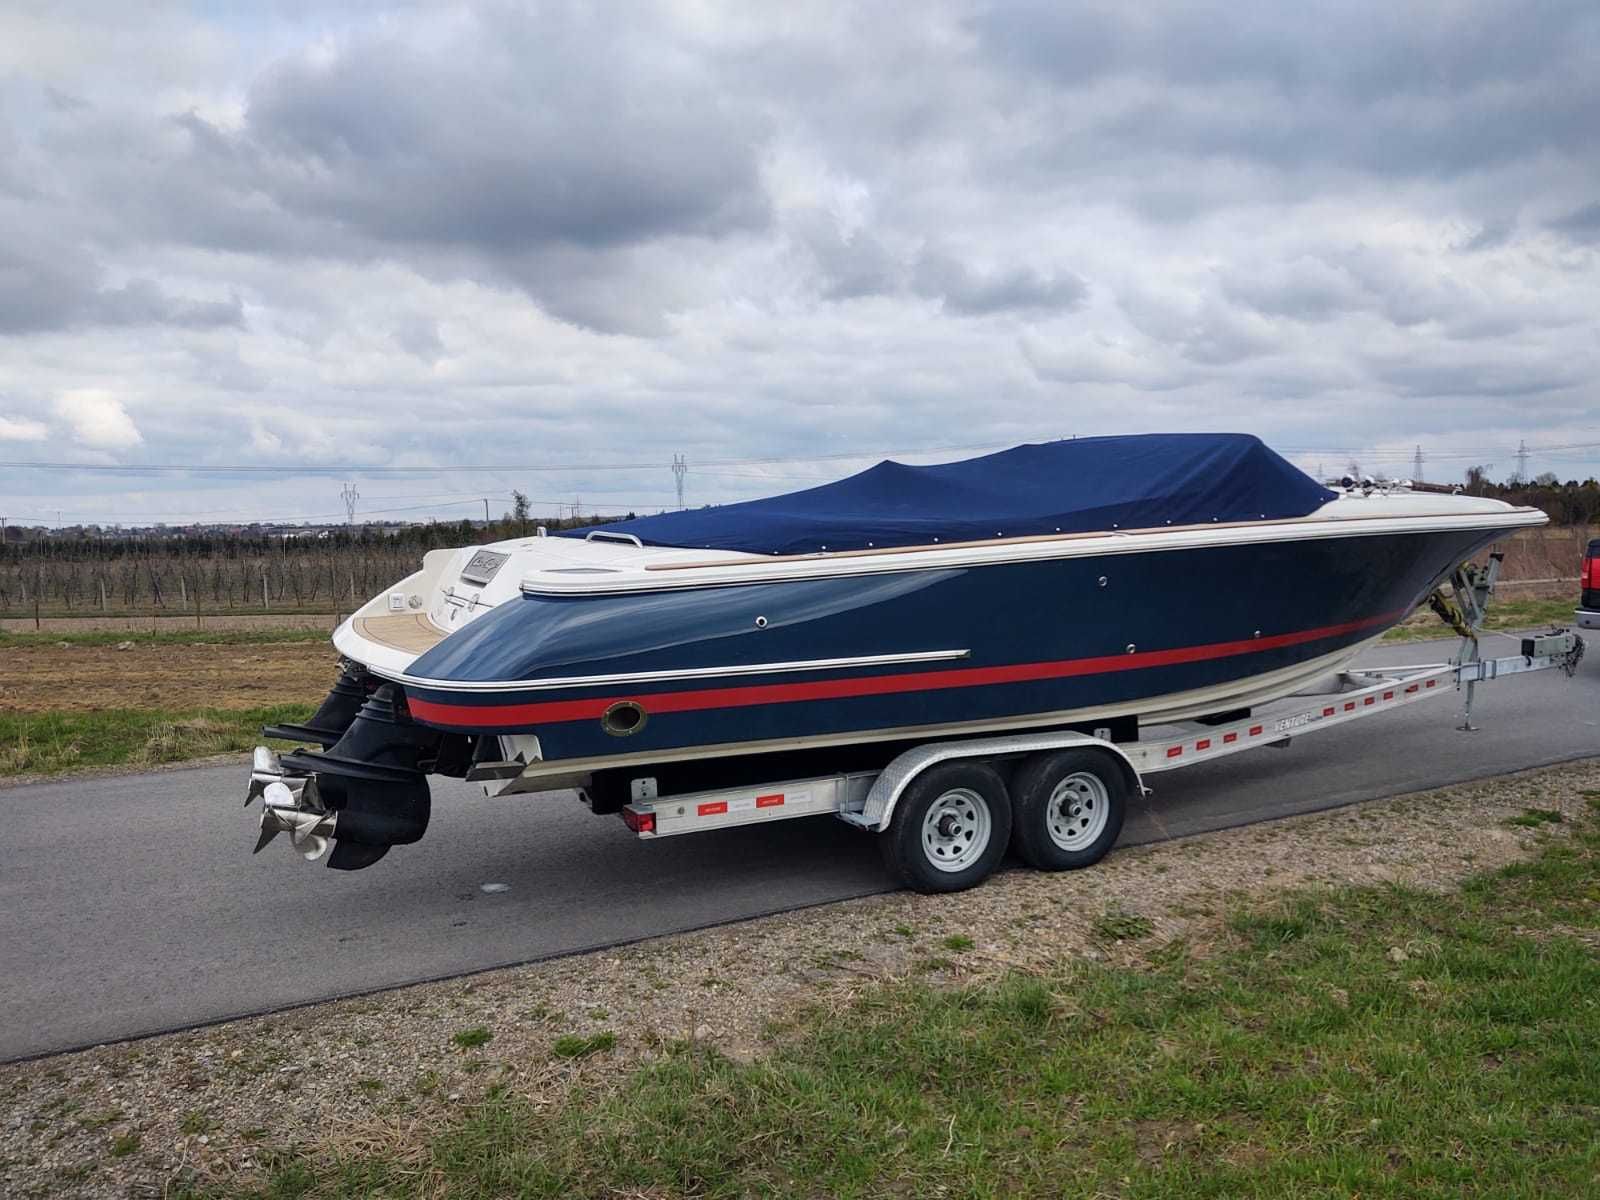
(639, 822)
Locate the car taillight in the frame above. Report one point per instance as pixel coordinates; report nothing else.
(1591, 574)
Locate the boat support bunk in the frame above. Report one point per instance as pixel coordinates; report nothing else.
(947, 811)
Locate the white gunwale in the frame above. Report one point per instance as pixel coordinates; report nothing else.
(753, 569)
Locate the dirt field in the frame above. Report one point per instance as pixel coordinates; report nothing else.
(54, 678)
(148, 624)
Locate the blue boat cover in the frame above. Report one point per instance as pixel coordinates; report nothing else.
(1076, 486)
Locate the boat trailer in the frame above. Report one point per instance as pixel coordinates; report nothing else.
(945, 811)
(1067, 788)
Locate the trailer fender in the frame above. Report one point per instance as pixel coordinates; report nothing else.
(886, 790)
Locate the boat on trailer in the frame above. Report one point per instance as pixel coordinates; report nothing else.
(1085, 589)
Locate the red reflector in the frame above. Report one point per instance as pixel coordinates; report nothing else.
(1203, 744)
(1175, 752)
(1370, 700)
(1431, 682)
(639, 822)
(1229, 737)
(1327, 712)
(712, 809)
(769, 801)
(1350, 706)
(1411, 690)
(1388, 695)
(1255, 731)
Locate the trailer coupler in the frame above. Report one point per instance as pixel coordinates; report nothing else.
(359, 797)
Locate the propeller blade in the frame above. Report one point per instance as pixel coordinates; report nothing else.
(304, 827)
(266, 836)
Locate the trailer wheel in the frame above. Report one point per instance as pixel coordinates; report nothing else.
(1067, 809)
(950, 828)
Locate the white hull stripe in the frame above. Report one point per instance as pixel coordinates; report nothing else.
(771, 668)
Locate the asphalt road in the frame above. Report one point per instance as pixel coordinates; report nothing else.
(131, 905)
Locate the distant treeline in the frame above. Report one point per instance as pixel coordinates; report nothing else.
(33, 544)
(1570, 503)
(212, 571)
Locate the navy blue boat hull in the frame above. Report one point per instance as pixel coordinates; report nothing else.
(1040, 639)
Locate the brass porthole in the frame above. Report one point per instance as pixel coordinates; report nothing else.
(623, 718)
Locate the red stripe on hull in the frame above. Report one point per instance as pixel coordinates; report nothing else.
(491, 716)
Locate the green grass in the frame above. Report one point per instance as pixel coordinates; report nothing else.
(1378, 1042)
(55, 742)
(1116, 925)
(470, 1039)
(1532, 818)
(166, 637)
(1503, 614)
(574, 1045)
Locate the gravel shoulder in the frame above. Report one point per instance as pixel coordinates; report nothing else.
(137, 1118)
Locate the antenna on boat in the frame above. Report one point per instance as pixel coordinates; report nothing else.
(680, 468)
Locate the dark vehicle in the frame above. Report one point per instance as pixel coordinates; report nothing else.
(1589, 603)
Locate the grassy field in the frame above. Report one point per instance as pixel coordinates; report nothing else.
(53, 743)
(99, 699)
(1504, 614)
(1372, 1042)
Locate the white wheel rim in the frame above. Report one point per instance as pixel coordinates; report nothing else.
(955, 831)
(1078, 810)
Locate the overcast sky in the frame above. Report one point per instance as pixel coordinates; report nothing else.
(527, 235)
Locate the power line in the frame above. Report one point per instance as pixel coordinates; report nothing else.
(508, 468)
(501, 468)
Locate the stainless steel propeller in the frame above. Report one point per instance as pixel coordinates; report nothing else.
(289, 804)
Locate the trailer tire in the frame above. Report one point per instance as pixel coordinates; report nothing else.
(950, 828)
(1067, 808)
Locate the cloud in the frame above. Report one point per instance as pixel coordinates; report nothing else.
(1582, 224)
(979, 291)
(54, 288)
(424, 234)
(98, 420)
(20, 429)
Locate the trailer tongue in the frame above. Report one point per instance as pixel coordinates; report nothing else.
(945, 812)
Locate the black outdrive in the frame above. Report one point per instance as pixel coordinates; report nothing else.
(368, 791)
(327, 725)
